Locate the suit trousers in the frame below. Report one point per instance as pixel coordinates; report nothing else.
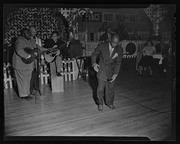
(56, 65)
(105, 90)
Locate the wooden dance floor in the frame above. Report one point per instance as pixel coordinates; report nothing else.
(143, 109)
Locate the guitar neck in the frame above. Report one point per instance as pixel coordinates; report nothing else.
(44, 51)
(50, 49)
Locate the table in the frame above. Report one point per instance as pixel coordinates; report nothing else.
(158, 56)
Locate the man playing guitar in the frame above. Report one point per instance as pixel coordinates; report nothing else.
(34, 85)
(54, 58)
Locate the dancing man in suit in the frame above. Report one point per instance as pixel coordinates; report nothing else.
(107, 69)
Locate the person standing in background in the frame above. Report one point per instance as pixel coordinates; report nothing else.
(37, 40)
(34, 84)
(107, 35)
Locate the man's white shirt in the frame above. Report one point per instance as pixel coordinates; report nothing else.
(110, 49)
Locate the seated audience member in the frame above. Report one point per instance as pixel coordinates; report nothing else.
(147, 58)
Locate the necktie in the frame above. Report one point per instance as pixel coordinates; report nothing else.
(111, 51)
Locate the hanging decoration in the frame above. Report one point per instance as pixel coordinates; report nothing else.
(156, 13)
(72, 15)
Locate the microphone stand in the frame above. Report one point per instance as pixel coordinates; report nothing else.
(38, 72)
(37, 85)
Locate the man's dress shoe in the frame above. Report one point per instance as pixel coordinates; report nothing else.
(112, 107)
(59, 74)
(27, 97)
(100, 107)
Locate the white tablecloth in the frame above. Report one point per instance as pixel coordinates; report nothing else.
(158, 56)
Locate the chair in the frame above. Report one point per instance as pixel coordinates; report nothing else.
(76, 51)
(142, 68)
(7, 77)
(44, 74)
(70, 70)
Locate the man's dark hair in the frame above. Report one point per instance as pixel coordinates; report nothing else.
(23, 30)
(32, 26)
(115, 36)
(55, 32)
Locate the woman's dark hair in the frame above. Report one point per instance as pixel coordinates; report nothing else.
(55, 32)
(148, 41)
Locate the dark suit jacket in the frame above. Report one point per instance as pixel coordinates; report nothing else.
(20, 44)
(104, 37)
(107, 65)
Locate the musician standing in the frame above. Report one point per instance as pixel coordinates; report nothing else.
(34, 84)
(36, 40)
(23, 71)
(56, 63)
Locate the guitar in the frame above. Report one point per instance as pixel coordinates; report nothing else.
(49, 57)
(34, 54)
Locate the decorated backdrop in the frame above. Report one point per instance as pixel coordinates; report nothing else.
(45, 19)
(64, 20)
